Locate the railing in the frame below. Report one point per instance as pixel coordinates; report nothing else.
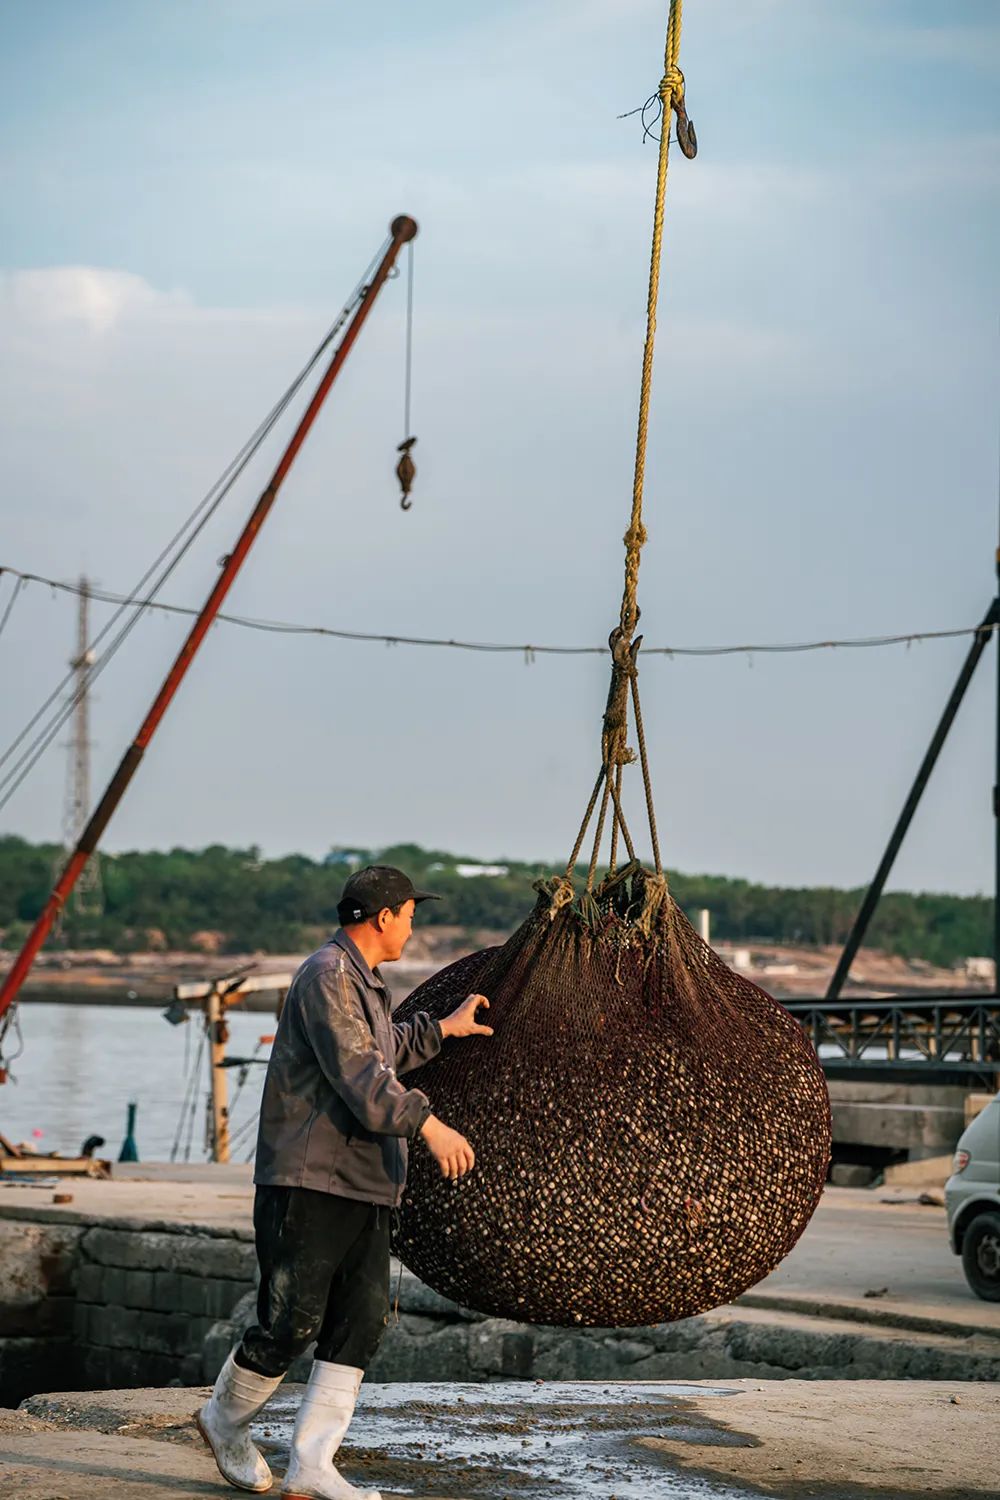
(953, 1034)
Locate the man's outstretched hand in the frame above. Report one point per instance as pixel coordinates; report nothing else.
(462, 1022)
(450, 1150)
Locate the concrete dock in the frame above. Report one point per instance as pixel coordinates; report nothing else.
(634, 1441)
(140, 1281)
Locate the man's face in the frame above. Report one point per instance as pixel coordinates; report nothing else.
(396, 930)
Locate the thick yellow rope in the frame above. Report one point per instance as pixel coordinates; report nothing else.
(671, 93)
(614, 747)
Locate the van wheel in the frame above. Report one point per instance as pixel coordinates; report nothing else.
(981, 1256)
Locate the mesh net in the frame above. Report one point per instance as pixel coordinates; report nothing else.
(652, 1131)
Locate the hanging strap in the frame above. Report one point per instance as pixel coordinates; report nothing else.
(624, 687)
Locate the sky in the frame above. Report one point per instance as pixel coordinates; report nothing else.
(189, 191)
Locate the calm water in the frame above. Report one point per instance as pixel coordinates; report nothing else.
(82, 1064)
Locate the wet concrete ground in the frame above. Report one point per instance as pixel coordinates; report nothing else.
(555, 1440)
(894, 1440)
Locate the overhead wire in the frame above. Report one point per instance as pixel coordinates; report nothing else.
(238, 1134)
(11, 1022)
(201, 515)
(408, 362)
(189, 1103)
(179, 545)
(528, 649)
(244, 1133)
(19, 584)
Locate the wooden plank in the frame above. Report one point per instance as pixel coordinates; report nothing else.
(54, 1166)
(200, 989)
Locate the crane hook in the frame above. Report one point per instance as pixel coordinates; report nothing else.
(406, 471)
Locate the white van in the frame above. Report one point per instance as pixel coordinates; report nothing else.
(972, 1198)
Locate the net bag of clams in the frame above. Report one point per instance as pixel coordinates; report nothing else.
(652, 1131)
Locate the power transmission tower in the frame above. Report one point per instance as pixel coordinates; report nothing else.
(89, 900)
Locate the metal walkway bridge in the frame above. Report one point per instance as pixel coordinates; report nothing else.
(933, 1038)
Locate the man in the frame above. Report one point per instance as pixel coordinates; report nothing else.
(331, 1166)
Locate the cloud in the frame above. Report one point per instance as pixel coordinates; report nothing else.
(93, 296)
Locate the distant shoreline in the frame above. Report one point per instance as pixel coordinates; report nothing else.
(150, 983)
(120, 999)
(148, 980)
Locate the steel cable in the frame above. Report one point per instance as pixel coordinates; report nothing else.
(9, 610)
(194, 525)
(527, 649)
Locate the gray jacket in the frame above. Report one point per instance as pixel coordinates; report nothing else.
(334, 1116)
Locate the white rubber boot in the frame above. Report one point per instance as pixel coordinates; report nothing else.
(224, 1423)
(323, 1418)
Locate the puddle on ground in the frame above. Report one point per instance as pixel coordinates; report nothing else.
(566, 1440)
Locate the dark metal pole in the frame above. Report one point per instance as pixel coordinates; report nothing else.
(868, 905)
(996, 805)
(402, 230)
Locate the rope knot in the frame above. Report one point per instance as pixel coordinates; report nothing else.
(672, 83)
(655, 899)
(616, 751)
(560, 891)
(636, 537)
(671, 93)
(622, 653)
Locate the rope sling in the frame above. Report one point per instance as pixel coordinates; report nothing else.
(652, 1130)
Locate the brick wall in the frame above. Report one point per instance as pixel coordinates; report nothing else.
(113, 1305)
(37, 1304)
(146, 1299)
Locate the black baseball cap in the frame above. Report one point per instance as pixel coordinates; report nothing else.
(375, 887)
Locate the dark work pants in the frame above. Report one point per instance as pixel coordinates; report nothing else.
(324, 1275)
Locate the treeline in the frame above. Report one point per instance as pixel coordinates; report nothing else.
(281, 905)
